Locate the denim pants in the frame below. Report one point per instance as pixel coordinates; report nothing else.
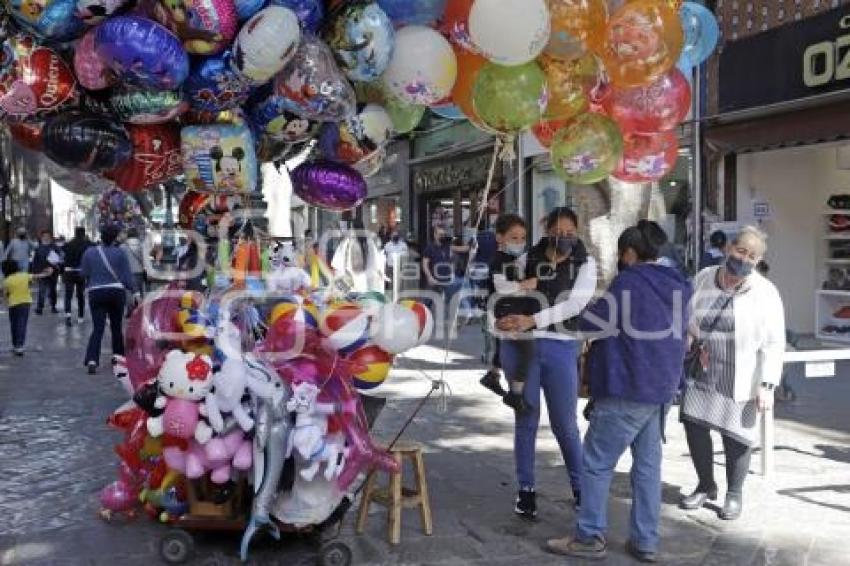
(74, 283)
(553, 368)
(615, 425)
(18, 316)
(47, 292)
(107, 302)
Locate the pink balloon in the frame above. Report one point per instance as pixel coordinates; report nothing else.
(147, 335)
(659, 107)
(647, 158)
(118, 496)
(90, 70)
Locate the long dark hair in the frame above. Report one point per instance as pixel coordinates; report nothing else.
(560, 213)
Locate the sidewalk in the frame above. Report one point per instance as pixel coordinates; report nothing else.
(55, 455)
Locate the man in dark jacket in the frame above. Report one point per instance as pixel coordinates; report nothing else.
(46, 255)
(74, 282)
(635, 366)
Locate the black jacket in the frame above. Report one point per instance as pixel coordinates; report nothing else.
(554, 279)
(74, 251)
(39, 258)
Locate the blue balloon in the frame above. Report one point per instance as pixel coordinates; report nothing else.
(413, 12)
(701, 34)
(449, 111)
(247, 8)
(213, 85)
(142, 52)
(362, 39)
(270, 118)
(310, 13)
(54, 20)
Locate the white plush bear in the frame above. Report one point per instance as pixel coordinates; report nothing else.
(285, 276)
(184, 381)
(310, 435)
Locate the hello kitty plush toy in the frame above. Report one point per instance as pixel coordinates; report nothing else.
(184, 381)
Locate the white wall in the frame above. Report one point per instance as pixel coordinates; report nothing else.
(797, 183)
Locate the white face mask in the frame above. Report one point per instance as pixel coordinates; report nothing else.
(515, 250)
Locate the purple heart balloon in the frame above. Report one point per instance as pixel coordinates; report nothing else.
(334, 186)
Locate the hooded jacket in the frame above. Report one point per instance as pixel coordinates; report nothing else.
(643, 323)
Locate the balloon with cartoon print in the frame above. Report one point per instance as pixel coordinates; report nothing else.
(51, 20)
(86, 141)
(268, 114)
(358, 137)
(147, 106)
(142, 52)
(247, 8)
(647, 157)
(156, 157)
(423, 68)
(90, 70)
(421, 12)
(219, 158)
(362, 39)
(213, 85)
(311, 13)
(265, 44)
(206, 27)
(95, 11)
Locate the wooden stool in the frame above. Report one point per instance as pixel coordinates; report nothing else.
(395, 497)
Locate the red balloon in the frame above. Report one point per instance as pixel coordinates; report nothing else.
(34, 80)
(190, 205)
(545, 131)
(455, 23)
(28, 134)
(647, 157)
(156, 157)
(658, 107)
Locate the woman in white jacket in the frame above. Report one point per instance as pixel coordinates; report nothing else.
(738, 321)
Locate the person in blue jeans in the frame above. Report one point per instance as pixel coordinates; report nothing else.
(635, 366)
(565, 282)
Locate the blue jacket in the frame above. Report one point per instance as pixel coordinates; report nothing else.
(97, 274)
(645, 369)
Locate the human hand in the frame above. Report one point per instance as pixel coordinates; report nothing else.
(523, 322)
(507, 323)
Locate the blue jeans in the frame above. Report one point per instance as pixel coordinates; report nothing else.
(18, 316)
(553, 368)
(103, 303)
(615, 425)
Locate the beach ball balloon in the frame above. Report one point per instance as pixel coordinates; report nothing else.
(265, 44)
(647, 157)
(701, 34)
(295, 309)
(657, 107)
(372, 366)
(345, 326)
(395, 328)
(423, 68)
(362, 39)
(578, 26)
(508, 32)
(588, 149)
(423, 317)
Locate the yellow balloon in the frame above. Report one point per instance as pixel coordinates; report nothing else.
(570, 83)
(577, 26)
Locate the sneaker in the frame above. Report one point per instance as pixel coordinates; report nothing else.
(68, 321)
(39, 312)
(515, 401)
(92, 368)
(493, 382)
(526, 504)
(18, 351)
(592, 549)
(54, 310)
(640, 555)
(81, 320)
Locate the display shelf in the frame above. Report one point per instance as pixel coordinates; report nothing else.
(833, 292)
(835, 261)
(837, 338)
(837, 237)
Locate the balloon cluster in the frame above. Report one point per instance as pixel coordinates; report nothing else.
(117, 208)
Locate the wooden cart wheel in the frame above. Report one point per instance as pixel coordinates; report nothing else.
(176, 547)
(335, 554)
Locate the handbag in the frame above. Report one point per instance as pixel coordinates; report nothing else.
(693, 369)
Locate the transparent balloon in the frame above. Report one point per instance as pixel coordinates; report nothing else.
(570, 84)
(578, 26)
(588, 149)
(647, 157)
(510, 99)
(657, 107)
(362, 38)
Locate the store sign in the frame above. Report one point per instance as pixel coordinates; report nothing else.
(790, 62)
(453, 175)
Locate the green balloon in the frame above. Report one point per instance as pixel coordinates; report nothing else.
(510, 99)
(588, 149)
(405, 116)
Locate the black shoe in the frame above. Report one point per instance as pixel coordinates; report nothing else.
(491, 381)
(732, 508)
(92, 368)
(577, 499)
(640, 555)
(515, 401)
(698, 498)
(68, 321)
(18, 352)
(39, 312)
(54, 311)
(526, 504)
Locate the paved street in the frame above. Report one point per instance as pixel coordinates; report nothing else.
(56, 453)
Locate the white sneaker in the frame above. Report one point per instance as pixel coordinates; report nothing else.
(81, 320)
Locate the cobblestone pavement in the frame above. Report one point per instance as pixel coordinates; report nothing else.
(56, 453)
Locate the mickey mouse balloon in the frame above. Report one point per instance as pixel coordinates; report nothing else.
(219, 158)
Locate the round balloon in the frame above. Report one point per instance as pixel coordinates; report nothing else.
(372, 366)
(423, 316)
(266, 43)
(147, 107)
(395, 328)
(642, 42)
(213, 85)
(90, 70)
(86, 141)
(247, 8)
(309, 12)
(313, 86)
(701, 34)
(545, 131)
(329, 185)
(205, 26)
(455, 23)
(658, 107)
(357, 137)
(156, 157)
(420, 12)
(647, 158)
(570, 83)
(142, 52)
(405, 117)
(268, 113)
(362, 38)
(34, 80)
(219, 158)
(52, 20)
(468, 66)
(423, 68)
(588, 149)
(28, 134)
(345, 326)
(296, 309)
(578, 26)
(508, 32)
(510, 99)
(95, 11)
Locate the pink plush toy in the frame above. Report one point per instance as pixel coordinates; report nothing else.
(220, 456)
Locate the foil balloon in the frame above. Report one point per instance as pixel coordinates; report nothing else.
(701, 34)
(423, 68)
(269, 116)
(213, 85)
(90, 70)
(578, 26)
(28, 134)
(34, 80)
(329, 185)
(310, 13)
(313, 85)
(421, 12)
(362, 38)
(371, 165)
(95, 11)
(265, 44)
(642, 42)
(570, 84)
(468, 66)
(647, 158)
(206, 27)
(354, 139)
(146, 327)
(146, 106)
(508, 32)
(454, 23)
(219, 158)
(247, 8)
(51, 20)
(142, 52)
(156, 157)
(190, 205)
(588, 149)
(86, 141)
(83, 183)
(510, 99)
(658, 107)
(119, 496)
(545, 131)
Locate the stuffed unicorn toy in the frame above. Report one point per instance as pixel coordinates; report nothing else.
(310, 436)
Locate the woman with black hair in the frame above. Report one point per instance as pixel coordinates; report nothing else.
(566, 281)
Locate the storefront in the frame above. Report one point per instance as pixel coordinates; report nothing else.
(387, 204)
(776, 159)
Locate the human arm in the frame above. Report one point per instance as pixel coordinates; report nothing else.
(772, 350)
(580, 295)
(122, 269)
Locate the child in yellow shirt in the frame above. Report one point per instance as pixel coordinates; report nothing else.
(16, 284)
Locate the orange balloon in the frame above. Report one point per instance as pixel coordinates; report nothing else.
(455, 23)
(570, 83)
(577, 26)
(545, 131)
(643, 41)
(468, 65)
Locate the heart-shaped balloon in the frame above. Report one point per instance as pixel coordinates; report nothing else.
(156, 157)
(35, 81)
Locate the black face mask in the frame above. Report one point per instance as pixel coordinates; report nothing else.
(621, 266)
(396, 239)
(446, 240)
(565, 244)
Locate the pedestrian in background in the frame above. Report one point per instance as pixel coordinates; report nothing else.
(16, 287)
(46, 255)
(132, 246)
(20, 250)
(72, 278)
(717, 252)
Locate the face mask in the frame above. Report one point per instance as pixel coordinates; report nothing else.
(565, 244)
(515, 250)
(738, 267)
(396, 238)
(621, 265)
(446, 240)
